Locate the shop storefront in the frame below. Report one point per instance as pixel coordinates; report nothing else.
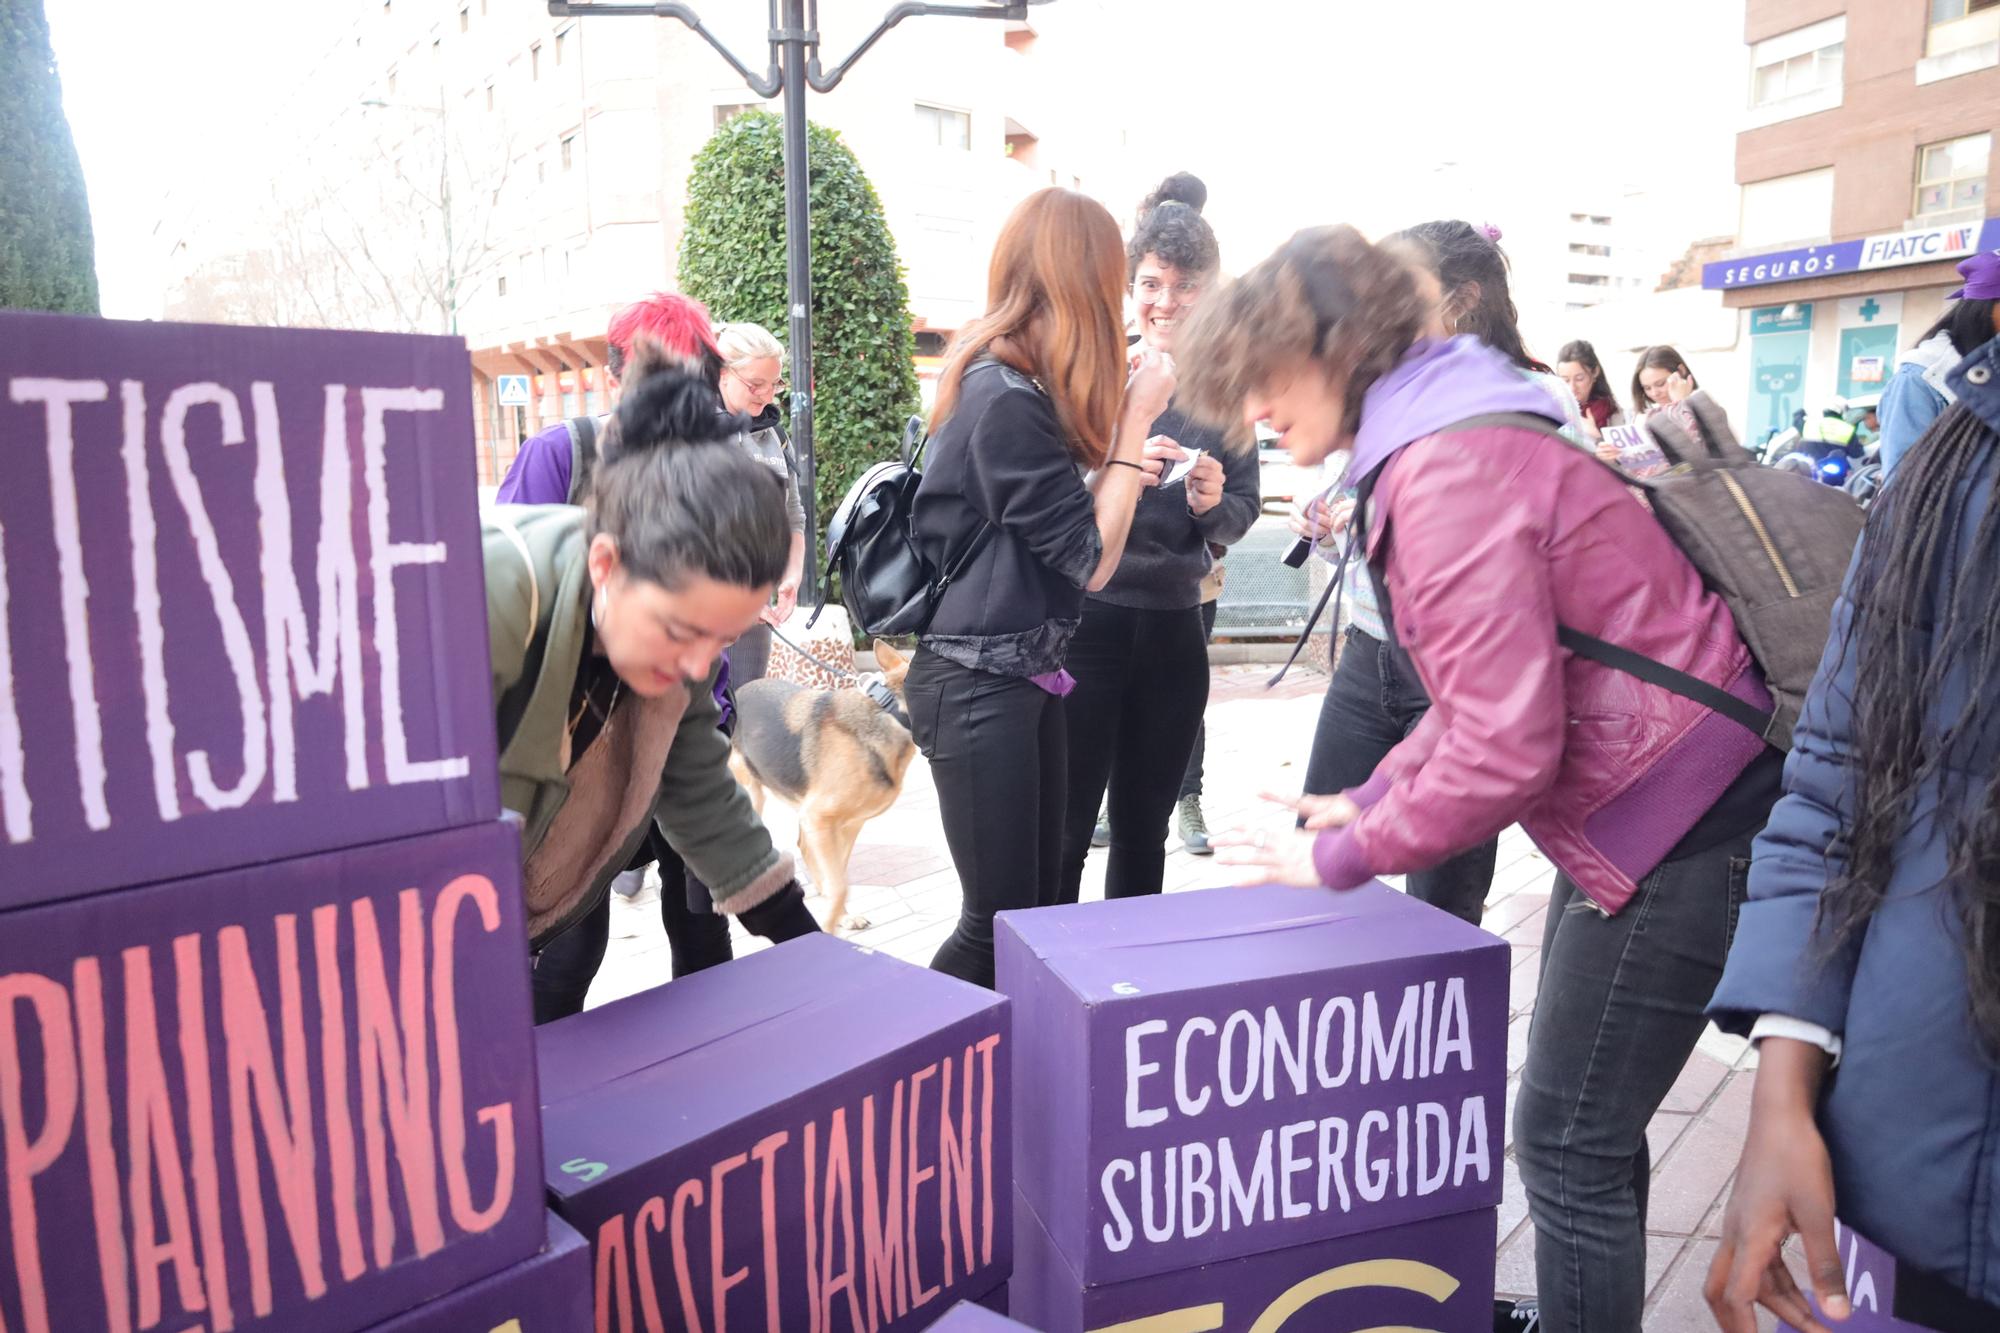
(1830, 320)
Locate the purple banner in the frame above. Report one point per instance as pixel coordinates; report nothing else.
(549, 1293)
(813, 1138)
(1251, 1069)
(967, 1317)
(1871, 1287)
(241, 599)
(298, 1097)
(1434, 1274)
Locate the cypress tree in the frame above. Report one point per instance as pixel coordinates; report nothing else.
(47, 258)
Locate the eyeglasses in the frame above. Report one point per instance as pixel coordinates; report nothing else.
(758, 388)
(1149, 292)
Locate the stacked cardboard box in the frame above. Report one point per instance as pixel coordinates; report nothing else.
(1872, 1288)
(265, 1052)
(813, 1138)
(1248, 1102)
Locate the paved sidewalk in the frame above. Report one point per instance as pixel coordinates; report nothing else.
(1257, 741)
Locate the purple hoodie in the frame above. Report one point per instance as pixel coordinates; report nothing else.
(1439, 383)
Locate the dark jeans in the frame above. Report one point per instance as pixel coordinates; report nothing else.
(995, 745)
(1141, 686)
(1620, 1010)
(1369, 708)
(697, 935)
(1191, 780)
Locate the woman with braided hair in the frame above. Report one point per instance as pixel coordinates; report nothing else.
(1871, 938)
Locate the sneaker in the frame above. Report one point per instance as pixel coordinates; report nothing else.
(1523, 1316)
(1194, 829)
(1101, 835)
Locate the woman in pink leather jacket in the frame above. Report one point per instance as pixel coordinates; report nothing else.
(1485, 537)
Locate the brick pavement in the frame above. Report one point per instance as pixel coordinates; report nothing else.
(1257, 741)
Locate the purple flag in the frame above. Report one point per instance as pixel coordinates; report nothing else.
(814, 1137)
(242, 609)
(295, 1097)
(1223, 1073)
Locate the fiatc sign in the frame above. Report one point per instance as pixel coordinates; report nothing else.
(1890, 250)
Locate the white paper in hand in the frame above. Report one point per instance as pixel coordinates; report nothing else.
(1174, 472)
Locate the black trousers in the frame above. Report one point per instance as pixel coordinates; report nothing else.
(1191, 780)
(996, 751)
(697, 936)
(1369, 708)
(1141, 686)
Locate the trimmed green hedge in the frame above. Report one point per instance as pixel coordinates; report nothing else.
(733, 260)
(47, 259)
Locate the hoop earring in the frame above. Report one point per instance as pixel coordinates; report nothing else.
(597, 608)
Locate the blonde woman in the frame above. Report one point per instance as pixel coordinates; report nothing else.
(753, 375)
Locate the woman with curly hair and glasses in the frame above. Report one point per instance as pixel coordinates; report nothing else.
(1485, 531)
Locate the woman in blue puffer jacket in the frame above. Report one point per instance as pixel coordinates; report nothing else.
(1867, 959)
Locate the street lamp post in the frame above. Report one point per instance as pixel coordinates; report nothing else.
(794, 66)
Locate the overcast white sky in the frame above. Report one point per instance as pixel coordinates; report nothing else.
(1295, 111)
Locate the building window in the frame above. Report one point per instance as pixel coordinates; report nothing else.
(392, 83)
(943, 127)
(1798, 73)
(1963, 36)
(1589, 280)
(465, 18)
(489, 97)
(729, 111)
(535, 61)
(562, 40)
(568, 151)
(1577, 248)
(1590, 219)
(1942, 11)
(541, 171)
(503, 284)
(1951, 176)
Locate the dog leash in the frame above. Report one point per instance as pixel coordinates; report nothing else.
(884, 697)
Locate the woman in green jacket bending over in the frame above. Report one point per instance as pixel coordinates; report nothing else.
(606, 625)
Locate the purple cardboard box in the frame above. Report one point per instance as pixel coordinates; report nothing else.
(549, 1293)
(967, 1317)
(299, 1096)
(241, 599)
(1871, 1287)
(1221, 1073)
(814, 1138)
(1435, 1274)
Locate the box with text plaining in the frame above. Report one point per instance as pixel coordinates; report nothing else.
(814, 1138)
(546, 1293)
(241, 599)
(1220, 1073)
(1434, 1274)
(298, 1096)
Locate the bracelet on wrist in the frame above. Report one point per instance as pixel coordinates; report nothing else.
(1125, 462)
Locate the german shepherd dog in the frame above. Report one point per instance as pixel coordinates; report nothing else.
(837, 756)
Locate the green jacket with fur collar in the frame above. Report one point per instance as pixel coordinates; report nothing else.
(537, 608)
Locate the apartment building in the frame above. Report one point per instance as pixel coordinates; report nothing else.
(1866, 166)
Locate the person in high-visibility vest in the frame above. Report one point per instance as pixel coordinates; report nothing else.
(1831, 434)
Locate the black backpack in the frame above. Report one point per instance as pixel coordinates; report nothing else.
(886, 583)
